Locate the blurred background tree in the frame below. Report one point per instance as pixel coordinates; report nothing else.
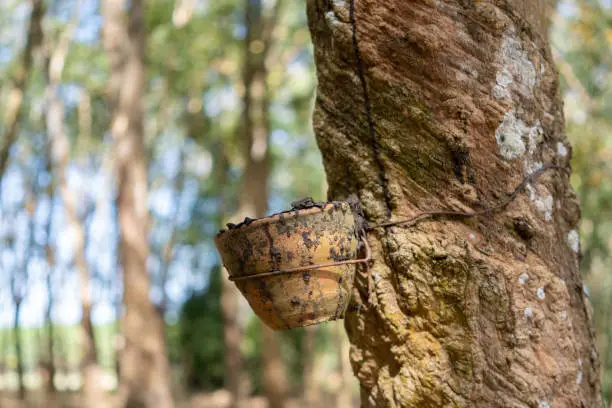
(581, 32)
(60, 262)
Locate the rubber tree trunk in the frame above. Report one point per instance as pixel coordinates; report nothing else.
(60, 156)
(254, 193)
(50, 366)
(429, 105)
(4, 341)
(144, 368)
(167, 252)
(19, 348)
(235, 382)
(14, 106)
(310, 387)
(344, 398)
(20, 283)
(235, 378)
(50, 269)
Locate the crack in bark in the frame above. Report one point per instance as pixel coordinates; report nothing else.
(368, 109)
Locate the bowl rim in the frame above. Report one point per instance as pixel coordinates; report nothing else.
(268, 219)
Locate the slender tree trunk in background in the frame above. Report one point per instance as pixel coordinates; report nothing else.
(18, 347)
(426, 105)
(253, 202)
(345, 395)
(50, 259)
(5, 344)
(310, 392)
(118, 339)
(19, 282)
(3, 350)
(236, 381)
(60, 156)
(50, 366)
(14, 107)
(254, 193)
(274, 375)
(145, 371)
(89, 363)
(168, 250)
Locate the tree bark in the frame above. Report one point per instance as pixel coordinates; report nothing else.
(12, 112)
(144, 368)
(449, 105)
(254, 191)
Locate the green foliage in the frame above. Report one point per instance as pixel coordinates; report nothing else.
(291, 346)
(67, 350)
(201, 336)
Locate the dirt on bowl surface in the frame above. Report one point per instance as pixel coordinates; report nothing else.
(297, 205)
(309, 234)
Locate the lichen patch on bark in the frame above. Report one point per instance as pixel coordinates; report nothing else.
(517, 69)
(561, 149)
(514, 137)
(573, 239)
(510, 135)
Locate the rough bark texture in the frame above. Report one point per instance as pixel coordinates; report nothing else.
(428, 105)
(144, 369)
(14, 107)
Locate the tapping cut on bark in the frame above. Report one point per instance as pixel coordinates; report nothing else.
(427, 105)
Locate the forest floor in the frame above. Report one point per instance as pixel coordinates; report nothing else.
(218, 399)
